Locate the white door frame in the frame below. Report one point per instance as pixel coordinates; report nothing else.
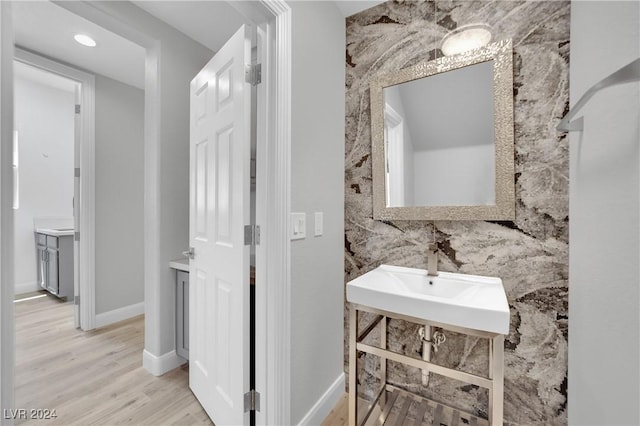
(85, 255)
(273, 198)
(273, 307)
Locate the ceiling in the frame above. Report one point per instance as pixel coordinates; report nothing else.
(210, 23)
(48, 29)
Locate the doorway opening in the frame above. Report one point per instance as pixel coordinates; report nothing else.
(43, 181)
(53, 131)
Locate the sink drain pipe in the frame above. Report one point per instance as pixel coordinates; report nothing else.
(429, 341)
(425, 336)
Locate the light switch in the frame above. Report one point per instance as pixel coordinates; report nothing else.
(318, 224)
(298, 226)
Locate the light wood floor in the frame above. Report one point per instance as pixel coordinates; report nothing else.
(96, 377)
(339, 416)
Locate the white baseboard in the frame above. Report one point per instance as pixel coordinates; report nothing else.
(27, 287)
(158, 365)
(325, 404)
(119, 314)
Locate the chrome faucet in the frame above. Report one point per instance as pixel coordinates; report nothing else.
(432, 260)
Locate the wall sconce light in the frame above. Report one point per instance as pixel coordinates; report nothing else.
(466, 37)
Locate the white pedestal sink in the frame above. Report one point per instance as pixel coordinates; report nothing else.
(468, 301)
(469, 304)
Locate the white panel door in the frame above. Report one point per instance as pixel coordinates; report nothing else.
(219, 210)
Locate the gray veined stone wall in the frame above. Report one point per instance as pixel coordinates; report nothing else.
(529, 254)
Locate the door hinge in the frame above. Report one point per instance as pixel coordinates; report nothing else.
(76, 236)
(76, 172)
(251, 401)
(76, 300)
(77, 108)
(253, 74)
(251, 235)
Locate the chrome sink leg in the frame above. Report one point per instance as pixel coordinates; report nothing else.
(353, 366)
(383, 361)
(496, 374)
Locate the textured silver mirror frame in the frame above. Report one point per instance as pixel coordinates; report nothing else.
(504, 209)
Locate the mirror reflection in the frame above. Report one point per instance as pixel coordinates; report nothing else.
(439, 139)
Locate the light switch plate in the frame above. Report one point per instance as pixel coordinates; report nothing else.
(298, 226)
(319, 226)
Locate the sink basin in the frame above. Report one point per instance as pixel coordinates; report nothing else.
(468, 301)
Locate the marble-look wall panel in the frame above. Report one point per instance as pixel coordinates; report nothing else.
(530, 254)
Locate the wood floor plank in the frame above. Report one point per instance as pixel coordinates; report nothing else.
(96, 377)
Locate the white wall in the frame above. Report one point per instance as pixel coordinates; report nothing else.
(119, 194)
(604, 319)
(435, 106)
(317, 176)
(180, 61)
(44, 118)
(467, 170)
(7, 331)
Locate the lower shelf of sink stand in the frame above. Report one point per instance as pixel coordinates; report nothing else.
(407, 409)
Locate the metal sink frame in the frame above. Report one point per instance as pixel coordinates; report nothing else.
(494, 382)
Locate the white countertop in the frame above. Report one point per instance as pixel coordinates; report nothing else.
(180, 264)
(55, 232)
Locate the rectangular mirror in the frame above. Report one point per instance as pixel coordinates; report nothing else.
(442, 138)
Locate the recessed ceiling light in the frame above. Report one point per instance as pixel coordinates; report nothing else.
(85, 40)
(466, 37)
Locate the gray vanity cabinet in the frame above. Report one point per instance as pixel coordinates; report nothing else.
(182, 313)
(55, 264)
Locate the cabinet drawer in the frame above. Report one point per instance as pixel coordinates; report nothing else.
(52, 241)
(41, 239)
